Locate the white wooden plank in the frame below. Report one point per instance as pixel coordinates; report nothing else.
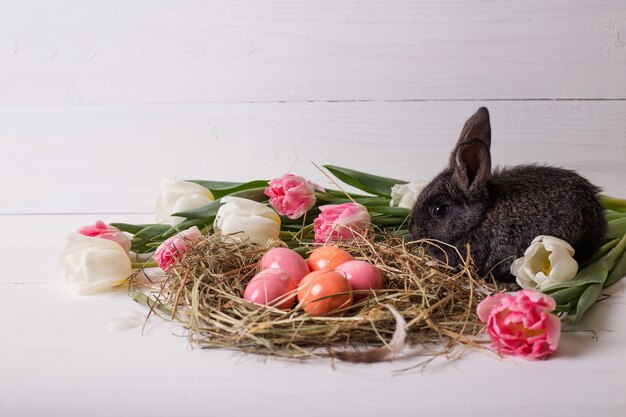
(67, 159)
(240, 50)
(59, 358)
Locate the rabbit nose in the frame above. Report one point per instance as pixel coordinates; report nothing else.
(415, 232)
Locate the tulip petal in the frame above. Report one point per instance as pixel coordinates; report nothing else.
(92, 264)
(405, 195)
(564, 268)
(553, 330)
(486, 306)
(243, 219)
(522, 274)
(552, 243)
(177, 196)
(338, 221)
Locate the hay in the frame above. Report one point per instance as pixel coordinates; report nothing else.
(204, 292)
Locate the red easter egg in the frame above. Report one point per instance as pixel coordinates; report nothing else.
(362, 276)
(270, 287)
(286, 259)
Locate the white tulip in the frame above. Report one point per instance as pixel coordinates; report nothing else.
(93, 264)
(245, 219)
(405, 195)
(547, 261)
(177, 196)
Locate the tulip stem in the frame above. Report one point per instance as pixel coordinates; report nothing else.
(142, 265)
(287, 235)
(609, 260)
(611, 203)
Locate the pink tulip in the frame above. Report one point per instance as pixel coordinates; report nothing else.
(104, 231)
(170, 251)
(291, 195)
(521, 324)
(338, 222)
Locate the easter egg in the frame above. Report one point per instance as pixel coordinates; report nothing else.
(328, 257)
(323, 292)
(269, 287)
(286, 259)
(362, 276)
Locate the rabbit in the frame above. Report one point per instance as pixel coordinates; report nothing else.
(498, 213)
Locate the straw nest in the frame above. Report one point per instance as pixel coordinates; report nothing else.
(425, 303)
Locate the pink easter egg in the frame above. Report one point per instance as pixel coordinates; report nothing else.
(362, 276)
(285, 259)
(269, 287)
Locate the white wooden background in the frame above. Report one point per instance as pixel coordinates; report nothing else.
(100, 100)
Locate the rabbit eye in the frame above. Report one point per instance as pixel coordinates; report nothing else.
(440, 210)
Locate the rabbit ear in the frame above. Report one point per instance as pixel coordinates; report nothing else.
(470, 161)
(477, 127)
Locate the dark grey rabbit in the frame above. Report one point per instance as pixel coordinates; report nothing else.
(500, 212)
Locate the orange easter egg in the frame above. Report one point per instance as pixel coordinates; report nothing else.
(328, 257)
(323, 292)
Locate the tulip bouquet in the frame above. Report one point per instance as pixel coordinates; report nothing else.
(290, 208)
(246, 219)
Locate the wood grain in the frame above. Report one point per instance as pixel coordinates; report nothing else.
(197, 51)
(69, 159)
(64, 361)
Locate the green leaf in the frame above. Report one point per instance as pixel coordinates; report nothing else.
(342, 194)
(563, 308)
(327, 198)
(293, 232)
(618, 272)
(610, 259)
(324, 198)
(301, 251)
(394, 211)
(296, 245)
(222, 188)
(373, 201)
(616, 228)
(147, 235)
(130, 228)
(210, 210)
(186, 224)
(372, 184)
(388, 221)
(291, 228)
(611, 203)
(612, 215)
(256, 194)
(586, 300)
(605, 249)
(567, 294)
